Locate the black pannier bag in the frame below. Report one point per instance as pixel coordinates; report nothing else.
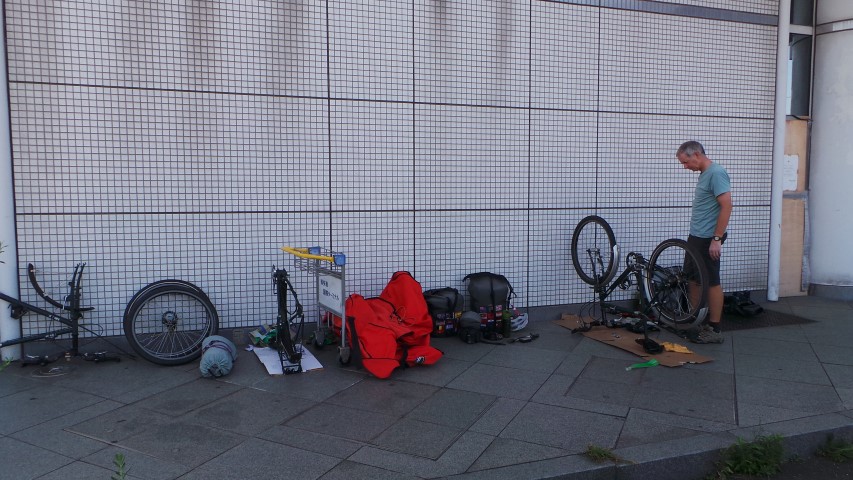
(445, 307)
(490, 295)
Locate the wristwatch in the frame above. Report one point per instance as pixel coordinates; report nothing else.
(717, 239)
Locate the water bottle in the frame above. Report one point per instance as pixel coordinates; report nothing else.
(506, 317)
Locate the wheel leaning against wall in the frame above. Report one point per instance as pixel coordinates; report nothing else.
(166, 321)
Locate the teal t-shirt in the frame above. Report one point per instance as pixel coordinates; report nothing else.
(712, 183)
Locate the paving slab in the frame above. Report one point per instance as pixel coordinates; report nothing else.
(22, 460)
(519, 411)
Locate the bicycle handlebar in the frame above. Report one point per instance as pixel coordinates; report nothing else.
(309, 253)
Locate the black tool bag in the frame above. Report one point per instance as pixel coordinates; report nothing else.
(469, 327)
(445, 306)
(739, 303)
(489, 295)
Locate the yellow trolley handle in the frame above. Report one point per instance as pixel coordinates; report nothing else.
(336, 258)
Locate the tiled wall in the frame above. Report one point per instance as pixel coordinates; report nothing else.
(180, 139)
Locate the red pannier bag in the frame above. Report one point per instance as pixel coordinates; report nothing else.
(393, 329)
(407, 296)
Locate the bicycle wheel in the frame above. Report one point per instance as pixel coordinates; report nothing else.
(594, 251)
(159, 283)
(166, 323)
(676, 282)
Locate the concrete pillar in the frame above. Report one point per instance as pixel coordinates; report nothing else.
(831, 166)
(9, 327)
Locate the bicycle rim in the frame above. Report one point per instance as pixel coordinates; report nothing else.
(167, 324)
(594, 250)
(677, 282)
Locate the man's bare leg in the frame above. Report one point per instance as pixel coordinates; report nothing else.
(715, 305)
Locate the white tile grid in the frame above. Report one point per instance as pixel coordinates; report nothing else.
(376, 244)
(470, 157)
(744, 265)
(166, 151)
(686, 66)
(769, 7)
(466, 157)
(450, 245)
(372, 156)
(229, 256)
(472, 52)
(218, 46)
(653, 175)
(371, 50)
(563, 163)
(552, 279)
(564, 56)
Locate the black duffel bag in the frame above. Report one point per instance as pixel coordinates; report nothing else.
(445, 306)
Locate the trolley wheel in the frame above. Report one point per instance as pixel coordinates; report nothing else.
(166, 322)
(344, 355)
(319, 338)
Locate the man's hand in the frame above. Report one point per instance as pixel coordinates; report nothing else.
(715, 250)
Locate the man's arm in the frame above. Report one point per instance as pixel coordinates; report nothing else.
(725, 202)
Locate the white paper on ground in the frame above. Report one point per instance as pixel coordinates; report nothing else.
(269, 357)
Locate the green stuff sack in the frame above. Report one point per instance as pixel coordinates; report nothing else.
(218, 355)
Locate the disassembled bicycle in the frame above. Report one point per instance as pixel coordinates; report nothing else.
(165, 322)
(289, 326)
(672, 283)
(71, 323)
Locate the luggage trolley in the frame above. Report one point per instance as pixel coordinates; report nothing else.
(329, 270)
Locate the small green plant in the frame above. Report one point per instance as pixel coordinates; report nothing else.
(760, 457)
(5, 363)
(121, 467)
(837, 450)
(600, 455)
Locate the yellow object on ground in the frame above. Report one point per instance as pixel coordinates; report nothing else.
(674, 347)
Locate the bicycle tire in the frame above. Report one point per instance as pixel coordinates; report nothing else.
(673, 267)
(171, 281)
(167, 321)
(593, 239)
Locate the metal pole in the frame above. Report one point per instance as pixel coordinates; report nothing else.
(9, 327)
(774, 255)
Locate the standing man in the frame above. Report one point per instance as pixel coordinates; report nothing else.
(712, 207)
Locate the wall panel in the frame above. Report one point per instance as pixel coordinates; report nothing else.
(180, 139)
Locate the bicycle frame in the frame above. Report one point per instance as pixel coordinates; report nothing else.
(636, 267)
(72, 322)
(290, 352)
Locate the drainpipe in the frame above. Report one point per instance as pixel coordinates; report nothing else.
(774, 254)
(9, 327)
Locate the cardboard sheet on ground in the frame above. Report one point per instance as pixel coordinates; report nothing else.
(269, 357)
(626, 340)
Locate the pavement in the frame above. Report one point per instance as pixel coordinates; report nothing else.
(517, 411)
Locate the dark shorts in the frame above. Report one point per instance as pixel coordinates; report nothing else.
(713, 266)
